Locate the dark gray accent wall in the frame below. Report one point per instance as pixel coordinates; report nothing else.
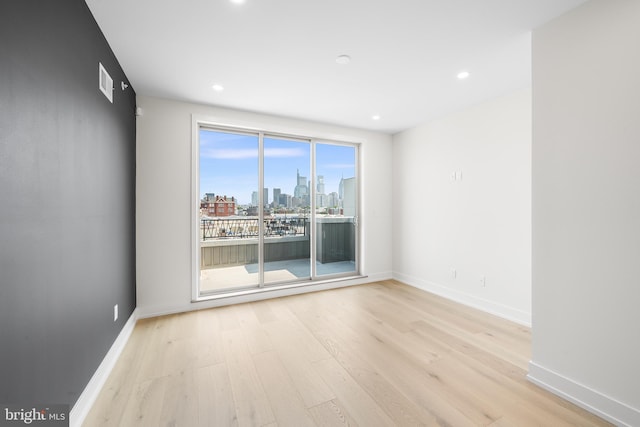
(67, 201)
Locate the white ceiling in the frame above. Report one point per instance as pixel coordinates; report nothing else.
(278, 56)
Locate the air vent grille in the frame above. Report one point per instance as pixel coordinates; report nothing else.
(105, 83)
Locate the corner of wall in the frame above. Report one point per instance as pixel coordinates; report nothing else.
(505, 312)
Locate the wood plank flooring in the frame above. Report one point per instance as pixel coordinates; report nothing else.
(382, 354)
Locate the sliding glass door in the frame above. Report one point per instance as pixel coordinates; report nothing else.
(228, 228)
(336, 209)
(272, 210)
(287, 238)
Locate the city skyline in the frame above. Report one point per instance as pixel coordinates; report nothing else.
(229, 164)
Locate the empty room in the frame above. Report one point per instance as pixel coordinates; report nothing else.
(291, 213)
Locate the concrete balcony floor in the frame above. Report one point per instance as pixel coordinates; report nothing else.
(241, 276)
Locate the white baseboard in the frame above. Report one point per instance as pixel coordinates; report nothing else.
(592, 400)
(509, 313)
(379, 277)
(90, 393)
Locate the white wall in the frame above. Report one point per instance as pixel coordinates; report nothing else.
(164, 197)
(479, 225)
(586, 207)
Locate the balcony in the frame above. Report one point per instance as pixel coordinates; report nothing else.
(229, 250)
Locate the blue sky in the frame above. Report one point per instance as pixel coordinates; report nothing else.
(229, 164)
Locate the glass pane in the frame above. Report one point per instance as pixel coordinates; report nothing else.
(228, 218)
(286, 196)
(336, 201)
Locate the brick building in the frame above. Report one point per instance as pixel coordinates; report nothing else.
(218, 206)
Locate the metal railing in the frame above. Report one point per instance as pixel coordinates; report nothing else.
(245, 228)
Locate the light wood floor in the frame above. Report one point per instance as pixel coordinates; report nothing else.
(381, 354)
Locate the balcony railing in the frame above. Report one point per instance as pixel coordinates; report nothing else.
(234, 241)
(244, 228)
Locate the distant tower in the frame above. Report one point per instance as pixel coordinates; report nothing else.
(265, 195)
(301, 190)
(302, 180)
(320, 184)
(276, 197)
(341, 188)
(254, 199)
(333, 200)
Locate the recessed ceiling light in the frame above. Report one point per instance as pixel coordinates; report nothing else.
(217, 88)
(375, 117)
(343, 59)
(463, 75)
(237, 1)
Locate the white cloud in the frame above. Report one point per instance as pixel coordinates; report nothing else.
(284, 152)
(230, 153)
(250, 153)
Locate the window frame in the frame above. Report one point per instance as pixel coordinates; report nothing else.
(200, 122)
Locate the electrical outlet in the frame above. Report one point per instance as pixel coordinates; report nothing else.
(454, 273)
(483, 281)
(115, 312)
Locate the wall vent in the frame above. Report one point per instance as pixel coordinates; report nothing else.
(105, 83)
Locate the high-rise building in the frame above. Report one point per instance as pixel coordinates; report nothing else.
(322, 200)
(276, 197)
(301, 190)
(320, 186)
(341, 188)
(333, 200)
(254, 199)
(286, 200)
(265, 196)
